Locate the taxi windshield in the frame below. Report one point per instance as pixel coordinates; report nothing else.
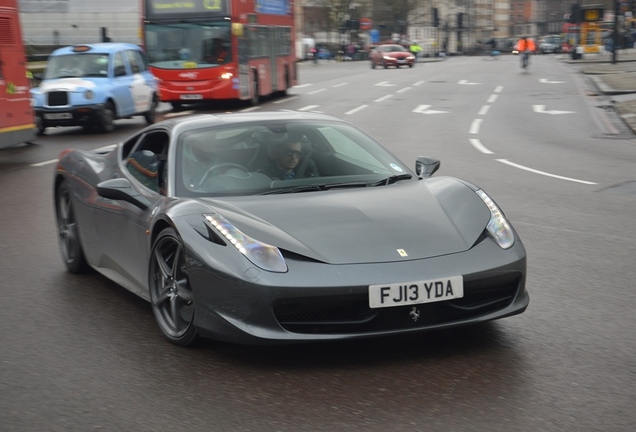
(77, 65)
(188, 45)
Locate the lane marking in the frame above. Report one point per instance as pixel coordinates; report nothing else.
(308, 108)
(466, 82)
(507, 162)
(355, 110)
(383, 98)
(546, 81)
(418, 83)
(484, 110)
(424, 109)
(250, 109)
(97, 150)
(474, 127)
(340, 85)
(302, 85)
(285, 100)
(479, 146)
(492, 98)
(48, 162)
(317, 91)
(403, 90)
(498, 89)
(541, 109)
(385, 84)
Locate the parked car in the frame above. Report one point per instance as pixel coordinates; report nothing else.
(354, 245)
(550, 44)
(391, 55)
(94, 84)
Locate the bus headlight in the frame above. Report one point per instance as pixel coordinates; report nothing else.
(227, 75)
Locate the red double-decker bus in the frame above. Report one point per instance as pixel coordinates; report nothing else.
(17, 122)
(202, 50)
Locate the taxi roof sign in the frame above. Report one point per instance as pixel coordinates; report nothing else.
(81, 48)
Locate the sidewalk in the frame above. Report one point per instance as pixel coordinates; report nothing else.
(615, 79)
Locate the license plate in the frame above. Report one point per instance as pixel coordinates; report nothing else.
(58, 116)
(401, 61)
(429, 291)
(191, 97)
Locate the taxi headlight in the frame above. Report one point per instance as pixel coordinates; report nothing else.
(498, 226)
(260, 254)
(89, 94)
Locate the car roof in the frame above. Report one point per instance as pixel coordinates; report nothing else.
(104, 48)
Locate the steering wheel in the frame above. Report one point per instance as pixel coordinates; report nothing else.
(214, 170)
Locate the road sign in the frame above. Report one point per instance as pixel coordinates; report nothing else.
(366, 24)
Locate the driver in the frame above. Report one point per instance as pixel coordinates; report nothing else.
(288, 164)
(198, 157)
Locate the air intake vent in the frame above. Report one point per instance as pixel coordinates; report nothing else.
(6, 32)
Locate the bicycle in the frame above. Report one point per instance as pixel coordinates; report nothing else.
(525, 59)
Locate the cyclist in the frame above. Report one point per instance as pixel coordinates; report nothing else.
(525, 46)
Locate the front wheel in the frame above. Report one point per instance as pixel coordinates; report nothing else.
(151, 114)
(107, 123)
(170, 292)
(68, 231)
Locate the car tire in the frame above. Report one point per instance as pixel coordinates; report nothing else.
(151, 115)
(107, 123)
(39, 125)
(68, 231)
(372, 64)
(386, 66)
(171, 296)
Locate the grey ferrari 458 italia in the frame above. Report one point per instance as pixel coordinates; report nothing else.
(282, 227)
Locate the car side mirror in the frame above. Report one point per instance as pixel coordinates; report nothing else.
(119, 189)
(426, 166)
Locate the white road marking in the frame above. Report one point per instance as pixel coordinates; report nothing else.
(308, 108)
(466, 82)
(424, 109)
(546, 81)
(403, 90)
(474, 127)
(385, 84)
(498, 89)
(507, 162)
(254, 108)
(383, 98)
(317, 91)
(479, 146)
(178, 114)
(484, 110)
(302, 85)
(492, 98)
(541, 109)
(355, 110)
(340, 85)
(418, 83)
(285, 100)
(48, 162)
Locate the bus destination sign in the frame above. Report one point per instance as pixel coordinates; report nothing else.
(200, 8)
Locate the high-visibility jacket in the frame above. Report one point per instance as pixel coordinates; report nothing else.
(525, 45)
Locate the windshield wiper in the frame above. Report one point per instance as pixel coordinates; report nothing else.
(315, 187)
(392, 179)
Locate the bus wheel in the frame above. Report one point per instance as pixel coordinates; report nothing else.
(107, 123)
(255, 97)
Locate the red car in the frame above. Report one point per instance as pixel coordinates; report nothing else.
(391, 55)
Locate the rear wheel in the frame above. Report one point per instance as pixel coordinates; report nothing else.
(170, 292)
(68, 231)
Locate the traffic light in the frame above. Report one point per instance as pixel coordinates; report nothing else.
(460, 19)
(435, 18)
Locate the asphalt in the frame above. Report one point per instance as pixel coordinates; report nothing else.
(614, 77)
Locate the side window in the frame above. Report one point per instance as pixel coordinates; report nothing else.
(133, 61)
(119, 66)
(147, 163)
(143, 60)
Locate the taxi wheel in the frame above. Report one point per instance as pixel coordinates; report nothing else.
(39, 125)
(152, 113)
(107, 123)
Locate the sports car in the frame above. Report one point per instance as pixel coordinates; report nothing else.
(183, 215)
(391, 55)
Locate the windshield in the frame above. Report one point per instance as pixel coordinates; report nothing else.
(188, 45)
(77, 65)
(282, 157)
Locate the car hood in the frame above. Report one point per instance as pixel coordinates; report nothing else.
(397, 54)
(67, 84)
(408, 220)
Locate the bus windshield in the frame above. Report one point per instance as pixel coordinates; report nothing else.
(188, 45)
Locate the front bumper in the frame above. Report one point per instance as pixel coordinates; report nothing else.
(317, 302)
(69, 115)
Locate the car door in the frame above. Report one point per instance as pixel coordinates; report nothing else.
(140, 86)
(122, 86)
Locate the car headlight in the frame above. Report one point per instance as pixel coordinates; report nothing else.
(388, 58)
(261, 254)
(89, 94)
(498, 226)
